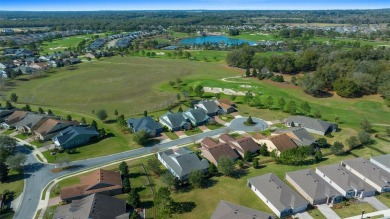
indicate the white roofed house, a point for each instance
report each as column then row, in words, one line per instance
column 382, row 161
column 369, row 173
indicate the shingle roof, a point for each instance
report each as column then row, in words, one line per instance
column 219, row 150
column 96, row 206
column 208, row 142
column 145, row 123
column 227, row 210
column 283, row 142
column 224, row 138
column 210, row 106
column 183, row 161
column 199, row 115
column 245, row 144
column 301, row 135
column 73, row 131
column 176, row 119
column 49, row 124
column 310, row 123
column 370, row 171
column 314, row 186
column 98, row 181
column 383, row 159
column 344, row 178
column 15, row 117
column 225, row 101
column 277, row 192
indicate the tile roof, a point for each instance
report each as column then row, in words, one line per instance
column 227, row 210
column 277, row 192
column 283, row 142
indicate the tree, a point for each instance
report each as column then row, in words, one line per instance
column 264, row 150
column 83, row 121
column 171, row 83
column 281, row 103
column 226, row 165
column 124, row 169
column 346, row 87
column 7, row 147
column 294, row 80
column 291, row 107
column 126, row 184
column 352, row 142
column 8, row 105
column 240, row 164
column 248, row 97
column 168, row 179
column 141, row 137
column 102, row 114
column 178, row 97
column 322, row 142
column 68, row 117
column 213, row 171
column 248, row 156
column 27, row 108
column 49, row 112
column 40, row 110
column 318, row 156
column 199, row 90
column 337, row 148
column 195, row 178
column 3, row 172
column 233, row 97
column 154, row 165
column 249, row 121
column 387, row 131
column 16, row 161
column 218, row 95
column 255, row 163
column 248, row 72
column 135, row 215
column 254, row 72
column 364, row 138
column 270, row 102
column 94, row 124
column 180, row 110
column 366, row 125
column 116, row 112
column 13, row 97
column 145, row 113
column 134, row 199
column 164, row 202
column 305, row 108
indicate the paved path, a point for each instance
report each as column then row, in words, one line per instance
column 37, row 175
column 303, row 215
column 385, row 213
column 327, row 212
column 378, row 205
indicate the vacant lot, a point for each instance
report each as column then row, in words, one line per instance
column 128, row 84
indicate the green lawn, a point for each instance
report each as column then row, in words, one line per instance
column 196, row 55
column 179, row 34
column 7, row 132
column 226, row 118
column 23, row 136
column 59, row 45
column 14, row 183
column 384, row 198
column 254, row 36
column 171, row 135
column 354, row 210
column 316, row 214
column 193, row 131
column 214, row 126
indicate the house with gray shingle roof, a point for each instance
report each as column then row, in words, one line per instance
column 345, row 182
column 369, row 172
column 197, row 117
column 74, row 136
column 31, row 122
column 382, row 161
column 299, row 135
column 277, row 195
column 182, row 162
column 174, row 121
column 146, row 124
column 313, row 188
column 227, row 210
column 209, row 106
column 312, row 125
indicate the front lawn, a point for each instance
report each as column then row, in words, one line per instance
column 214, row 126
column 354, row 209
column 171, row 135
column 23, row 136
column 14, row 183
column 7, row 132
column 193, row 131
column 384, row 198
column 226, row 118
column 316, row 214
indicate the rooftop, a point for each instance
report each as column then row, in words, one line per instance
column 227, row 210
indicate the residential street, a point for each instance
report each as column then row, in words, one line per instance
column 37, row 175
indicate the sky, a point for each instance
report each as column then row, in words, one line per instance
column 94, row 5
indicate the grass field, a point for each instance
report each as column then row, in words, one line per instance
column 59, row 45
column 196, row 55
column 385, row 199
column 254, row 36
column 14, row 183
column 354, row 210
column 316, row 214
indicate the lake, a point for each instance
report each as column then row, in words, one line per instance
column 214, row 39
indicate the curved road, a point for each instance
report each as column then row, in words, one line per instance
column 37, row 175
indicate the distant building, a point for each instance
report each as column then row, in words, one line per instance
column 315, row 126
column 147, row 124
column 174, row 121
column 74, row 136
column 197, row 117
column 209, row 106
column 382, row 161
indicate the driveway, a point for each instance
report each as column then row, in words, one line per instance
column 303, row 215
column 204, row 128
column 220, row 121
column 37, row 175
column 327, row 211
column 181, row 134
column 378, row 205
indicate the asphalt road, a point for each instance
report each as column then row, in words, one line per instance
column 37, row 175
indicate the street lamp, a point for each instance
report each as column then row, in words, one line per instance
column 363, row 213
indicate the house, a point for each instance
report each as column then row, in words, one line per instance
column 73, row 61
column 214, row 152
column 382, row 161
column 147, row 124
column 345, row 182
column 369, row 173
column 90, row 55
column 99, row 181
column 74, row 136
column 244, row 145
column 13, row 118
column 208, row 142
column 3, row 74
column 93, row 206
column 209, row 106
column 257, row 137
column 227, row 210
column 279, row 143
column 30, row 122
column 313, row 188
column 24, row 69
column 4, row 113
column 174, row 121
column 225, row 138
column 314, row 126
column 226, row 105
column 299, row 135
column 50, row 127
column 277, row 195
column 197, row 117
column 182, row 162
column 39, row 66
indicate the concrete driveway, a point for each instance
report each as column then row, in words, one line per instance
column 327, row 211
column 303, row 215
column 378, row 205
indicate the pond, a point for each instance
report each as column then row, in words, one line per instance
column 214, row 40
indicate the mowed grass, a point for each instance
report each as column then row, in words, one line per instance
column 128, row 84
column 354, row 210
column 254, row 36
column 59, row 45
column 14, row 183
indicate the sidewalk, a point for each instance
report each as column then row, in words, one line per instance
column 35, row 151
